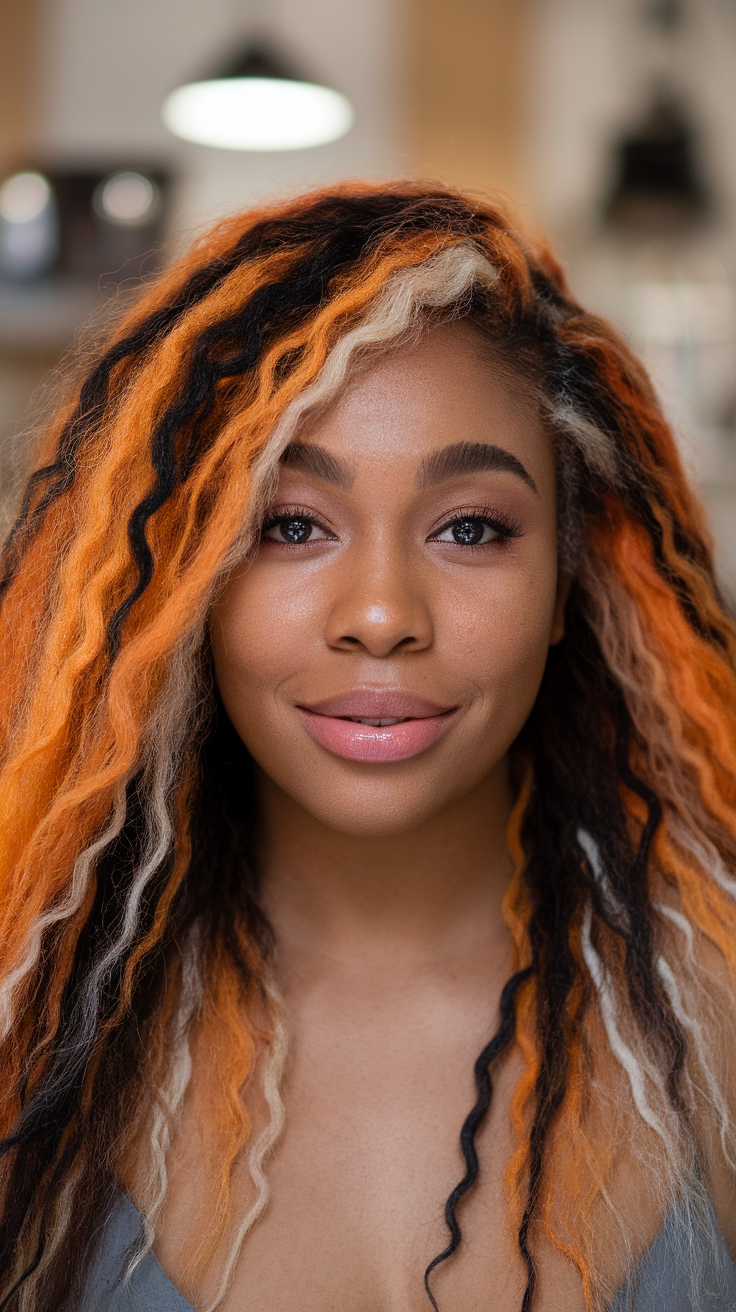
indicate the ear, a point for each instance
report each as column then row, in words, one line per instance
column 557, row 630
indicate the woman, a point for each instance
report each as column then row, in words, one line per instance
column 366, row 682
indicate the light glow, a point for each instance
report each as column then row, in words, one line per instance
column 257, row 113
column 127, row 198
column 24, row 197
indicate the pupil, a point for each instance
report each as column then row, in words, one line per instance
column 296, row 530
column 468, row 532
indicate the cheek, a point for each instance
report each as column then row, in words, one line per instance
column 260, row 630
column 498, row 633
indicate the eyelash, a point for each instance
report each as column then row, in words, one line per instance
column 294, row 512
column 502, row 524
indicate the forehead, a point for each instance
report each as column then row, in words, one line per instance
column 446, row 387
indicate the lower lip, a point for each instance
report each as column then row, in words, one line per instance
column 366, row 742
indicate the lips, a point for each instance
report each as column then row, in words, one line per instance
column 414, row 724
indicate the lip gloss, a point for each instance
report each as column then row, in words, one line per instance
column 364, row 742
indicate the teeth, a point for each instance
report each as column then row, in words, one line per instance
column 376, row 724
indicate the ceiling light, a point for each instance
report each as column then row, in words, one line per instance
column 659, row 189
column 257, row 104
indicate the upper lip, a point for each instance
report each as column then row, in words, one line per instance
column 377, row 704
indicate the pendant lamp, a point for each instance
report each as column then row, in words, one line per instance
column 257, row 102
column 659, row 188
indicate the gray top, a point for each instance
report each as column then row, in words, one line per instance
column 662, row 1281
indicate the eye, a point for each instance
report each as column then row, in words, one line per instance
column 476, row 528
column 294, row 530
column 467, row 532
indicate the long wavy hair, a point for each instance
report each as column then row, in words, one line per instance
column 134, row 958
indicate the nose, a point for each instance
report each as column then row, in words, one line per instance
column 380, row 611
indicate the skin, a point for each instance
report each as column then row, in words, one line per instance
column 384, row 881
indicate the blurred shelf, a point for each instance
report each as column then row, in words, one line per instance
column 42, row 318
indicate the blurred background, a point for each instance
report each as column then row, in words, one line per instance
column 611, row 123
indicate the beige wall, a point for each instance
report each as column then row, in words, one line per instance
column 465, row 90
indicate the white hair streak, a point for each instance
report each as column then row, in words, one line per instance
column 631, row 1064
column 161, row 777
column 694, row 1027
column 170, row 1097
column 637, row 1069
column 691, row 1218
column 63, row 910
column 57, row 1230
column 442, row 281
column 683, row 924
column 595, row 446
column 167, row 733
column 272, row 1078
column 610, row 902
column 439, row 282
column 688, row 1213
column 707, row 856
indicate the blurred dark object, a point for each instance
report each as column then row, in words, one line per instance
column 259, row 59
column 659, row 190
column 665, row 14
column 111, row 222
column 82, row 223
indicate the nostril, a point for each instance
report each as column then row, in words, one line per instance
column 347, row 638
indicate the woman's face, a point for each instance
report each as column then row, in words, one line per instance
column 384, row 648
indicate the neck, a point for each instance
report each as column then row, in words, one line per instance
column 430, row 892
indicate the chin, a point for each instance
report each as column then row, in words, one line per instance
column 370, row 823
column 376, row 810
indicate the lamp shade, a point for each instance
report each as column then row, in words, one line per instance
column 257, row 102
column 658, row 184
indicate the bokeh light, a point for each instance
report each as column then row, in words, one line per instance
column 257, row 113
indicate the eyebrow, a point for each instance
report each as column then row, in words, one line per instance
column 470, row 458
column 319, row 463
